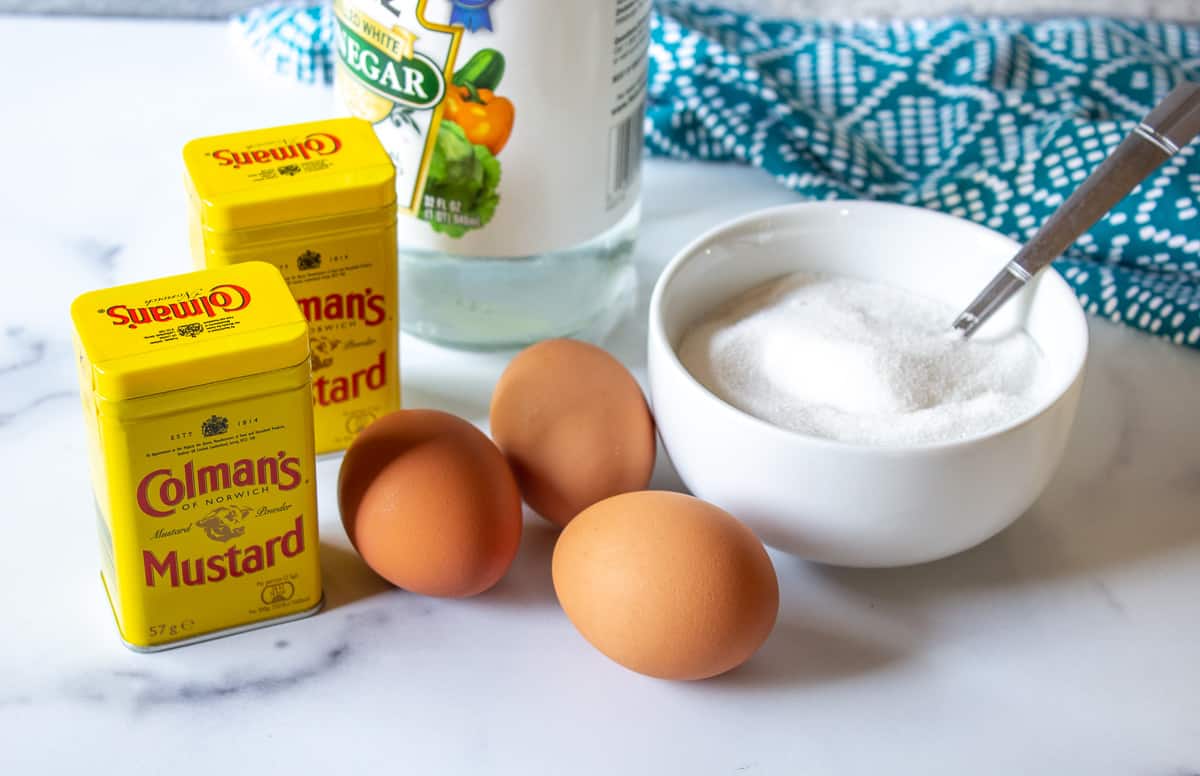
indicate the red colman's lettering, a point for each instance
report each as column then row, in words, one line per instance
column 316, row 144
column 225, row 298
column 160, row 491
column 234, row 562
column 367, row 307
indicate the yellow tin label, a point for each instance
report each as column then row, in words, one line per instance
column 201, row 444
column 335, row 245
column 288, row 174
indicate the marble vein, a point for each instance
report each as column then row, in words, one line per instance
column 8, row 417
column 157, row 693
column 34, row 352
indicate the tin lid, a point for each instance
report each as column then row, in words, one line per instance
column 176, row 332
column 290, row 173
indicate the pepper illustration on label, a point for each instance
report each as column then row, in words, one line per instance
column 485, row 117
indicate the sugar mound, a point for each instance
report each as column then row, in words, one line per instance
column 860, row 362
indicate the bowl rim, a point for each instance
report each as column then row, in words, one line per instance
column 657, row 330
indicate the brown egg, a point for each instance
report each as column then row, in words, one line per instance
column 666, row 584
column 574, row 426
column 430, row 503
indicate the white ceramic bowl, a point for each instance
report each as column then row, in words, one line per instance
column 846, row 504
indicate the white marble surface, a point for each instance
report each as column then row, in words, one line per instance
column 1068, row 644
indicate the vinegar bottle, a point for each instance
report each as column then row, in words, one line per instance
column 516, row 131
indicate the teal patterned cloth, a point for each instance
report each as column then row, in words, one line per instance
column 296, row 39
column 994, row 120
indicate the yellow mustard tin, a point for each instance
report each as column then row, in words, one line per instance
column 318, row 201
column 196, row 397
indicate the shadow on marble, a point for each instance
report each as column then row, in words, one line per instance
column 1040, row 548
column 664, row 476
column 808, row 652
column 528, row 583
column 346, row 577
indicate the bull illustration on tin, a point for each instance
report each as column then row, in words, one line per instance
column 322, row 351
column 224, row 523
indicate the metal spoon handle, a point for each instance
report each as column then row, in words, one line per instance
column 1170, row 126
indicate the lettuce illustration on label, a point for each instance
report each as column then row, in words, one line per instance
column 460, row 190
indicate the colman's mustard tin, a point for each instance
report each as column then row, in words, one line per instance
column 196, row 396
column 317, row 200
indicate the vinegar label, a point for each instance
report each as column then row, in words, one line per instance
column 516, row 127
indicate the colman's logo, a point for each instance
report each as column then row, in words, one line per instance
column 316, row 144
column 161, row 491
column 225, row 298
column 368, row 307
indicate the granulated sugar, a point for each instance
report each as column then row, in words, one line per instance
column 860, row 362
